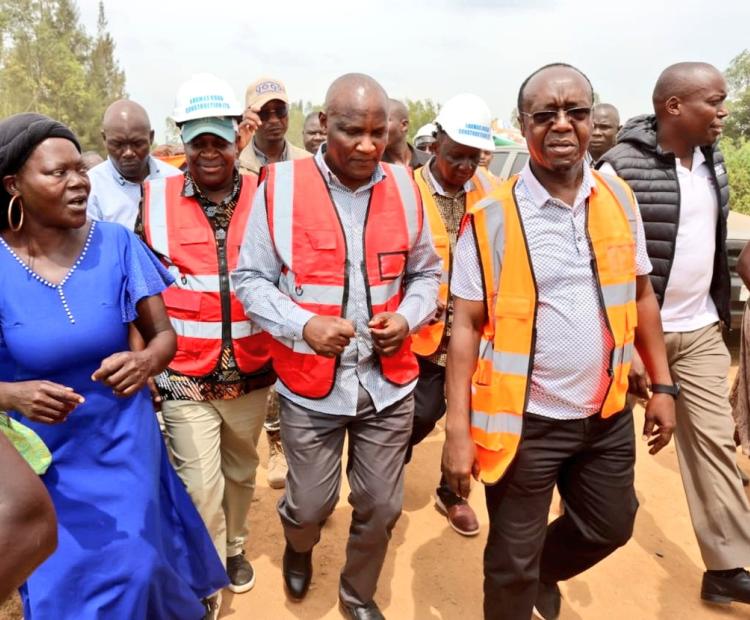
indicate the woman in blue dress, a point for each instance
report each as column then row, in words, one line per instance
column 131, row 546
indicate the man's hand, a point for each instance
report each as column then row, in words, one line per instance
column 249, row 125
column 125, row 372
column 388, row 330
column 328, row 335
column 43, row 401
column 460, row 462
column 660, row 421
column 438, row 312
column 639, row 382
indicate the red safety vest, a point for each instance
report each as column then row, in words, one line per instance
column 310, row 241
column 177, row 229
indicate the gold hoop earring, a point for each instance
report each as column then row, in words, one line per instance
column 17, row 227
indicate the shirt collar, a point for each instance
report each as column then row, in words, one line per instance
column 153, row 170
column 435, row 186
column 332, row 180
column 190, row 190
column 263, row 159
column 540, row 196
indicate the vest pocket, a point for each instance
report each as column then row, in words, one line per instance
column 391, row 265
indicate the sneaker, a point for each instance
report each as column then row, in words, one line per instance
column 461, row 516
column 548, row 600
column 277, row 467
column 213, row 606
column 241, row 574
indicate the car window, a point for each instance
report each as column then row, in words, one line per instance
column 497, row 163
column 519, row 163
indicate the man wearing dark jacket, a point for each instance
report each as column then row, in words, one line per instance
column 676, row 170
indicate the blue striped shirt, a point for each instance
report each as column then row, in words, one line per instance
column 257, row 276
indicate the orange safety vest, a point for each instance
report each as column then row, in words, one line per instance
column 177, row 229
column 427, row 340
column 309, row 240
column 501, row 380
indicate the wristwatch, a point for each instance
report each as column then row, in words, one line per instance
column 662, row 388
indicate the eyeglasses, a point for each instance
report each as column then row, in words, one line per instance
column 280, row 112
column 546, row 117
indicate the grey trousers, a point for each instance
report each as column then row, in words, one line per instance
column 704, row 438
column 313, row 443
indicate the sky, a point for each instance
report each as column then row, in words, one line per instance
column 417, row 49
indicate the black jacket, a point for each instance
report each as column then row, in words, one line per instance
column 651, row 173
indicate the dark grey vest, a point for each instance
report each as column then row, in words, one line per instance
column 653, row 179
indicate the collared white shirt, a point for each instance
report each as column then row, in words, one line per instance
column 115, row 199
column 687, row 301
column 569, row 379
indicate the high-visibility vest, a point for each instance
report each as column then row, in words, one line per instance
column 501, row 380
column 309, row 240
column 427, row 340
column 177, row 229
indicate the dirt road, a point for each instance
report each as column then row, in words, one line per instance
column 432, row 573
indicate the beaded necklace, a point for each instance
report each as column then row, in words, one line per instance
column 57, row 287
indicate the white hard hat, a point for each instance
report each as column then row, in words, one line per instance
column 467, row 120
column 204, row 96
column 425, row 131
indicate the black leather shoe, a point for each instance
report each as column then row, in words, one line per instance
column 361, row 612
column 725, row 586
column 548, row 598
column 297, row 569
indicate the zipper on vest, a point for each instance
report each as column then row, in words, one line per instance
column 226, row 307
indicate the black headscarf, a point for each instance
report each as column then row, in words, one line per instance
column 19, row 136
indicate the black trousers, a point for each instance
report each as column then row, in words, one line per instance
column 591, row 461
column 429, row 407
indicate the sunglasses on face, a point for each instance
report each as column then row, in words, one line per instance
column 546, row 117
column 280, row 112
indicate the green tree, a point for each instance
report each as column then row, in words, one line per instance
column 298, row 110
column 737, row 160
column 737, row 75
column 421, row 112
column 48, row 64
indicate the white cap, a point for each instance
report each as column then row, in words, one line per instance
column 467, row 120
column 205, row 96
column 425, row 131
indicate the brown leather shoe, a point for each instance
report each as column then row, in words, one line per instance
column 461, row 516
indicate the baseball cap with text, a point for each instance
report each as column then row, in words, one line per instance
column 264, row 90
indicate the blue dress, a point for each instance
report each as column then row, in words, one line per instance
column 131, row 544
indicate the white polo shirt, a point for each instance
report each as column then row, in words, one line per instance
column 687, row 303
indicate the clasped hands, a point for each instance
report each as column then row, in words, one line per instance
column 329, row 335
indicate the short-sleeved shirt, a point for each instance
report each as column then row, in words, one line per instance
column 569, row 379
column 115, row 199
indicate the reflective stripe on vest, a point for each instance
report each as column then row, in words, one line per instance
column 310, row 242
column 176, row 228
column 500, row 383
column 427, row 340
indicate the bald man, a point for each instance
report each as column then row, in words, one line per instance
column 673, row 164
column 605, row 120
column 398, row 150
column 312, row 133
column 116, row 182
column 342, row 276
